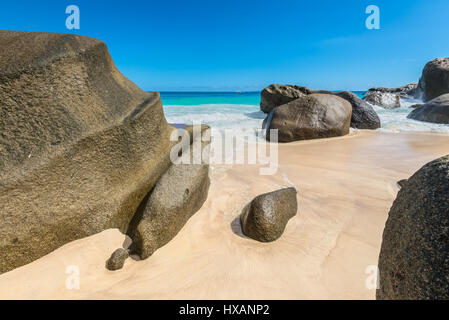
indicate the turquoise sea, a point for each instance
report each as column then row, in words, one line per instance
column 240, row 110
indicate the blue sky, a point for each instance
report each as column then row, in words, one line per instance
column 246, row 45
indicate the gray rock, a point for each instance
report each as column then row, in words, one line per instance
column 435, row 111
column 434, row 81
column 117, row 259
column 363, row 114
column 407, row 91
column 266, row 217
column 277, row 95
column 414, row 258
column 311, row 117
column 177, row 196
column 384, row 100
column 80, row 144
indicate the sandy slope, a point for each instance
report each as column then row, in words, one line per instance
column 346, row 187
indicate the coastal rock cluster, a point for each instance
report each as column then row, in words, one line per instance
column 414, row 258
column 81, row 146
column 296, row 109
column 311, row 117
column 307, row 114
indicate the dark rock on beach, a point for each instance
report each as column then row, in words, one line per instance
column 414, row 258
column 277, row 95
column 117, row 259
column 434, row 111
column 266, row 217
column 434, row 81
column 311, row 117
column 363, row 114
column 80, row 144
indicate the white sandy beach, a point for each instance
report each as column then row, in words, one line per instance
column 346, row 187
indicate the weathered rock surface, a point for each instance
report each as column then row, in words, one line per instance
column 277, row 95
column 414, row 258
column 407, row 91
column 363, row 114
column 384, row 100
column 402, row 183
column 434, row 81
column 435, row 111
column 117, row 259
column 266, row 217
column 177, row 196
column 80, row 145
column 311, row 117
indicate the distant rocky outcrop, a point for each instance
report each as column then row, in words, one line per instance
column 266, row 217
column 434, row 81
column 311, row 117
column 117, row 259
column 179, row 194
column 414, row 257
column 435, row 111
column 384, row 99
column 407, row 91
column 363, row 114
column 276, row 95
column 80, row 144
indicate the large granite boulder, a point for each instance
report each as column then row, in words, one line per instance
column 435, row 111
column 311, row 117
column 277, row 95
column 434, row 81
column 80, row 144
column 177, row 196
column 384, row 99
column 363, row 114
column 414, row 258
column 266, row 217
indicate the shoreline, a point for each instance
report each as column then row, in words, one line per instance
column 346, row 186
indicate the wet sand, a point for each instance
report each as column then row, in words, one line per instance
column 346, row 188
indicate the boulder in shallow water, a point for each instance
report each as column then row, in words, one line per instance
column 434, row 81
column 277, row 95
column 363, row 114
column 414, row 258
column 311, row 117
column 80, row 144
column 266, row 217
column 435, row 111
column 384, row 100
